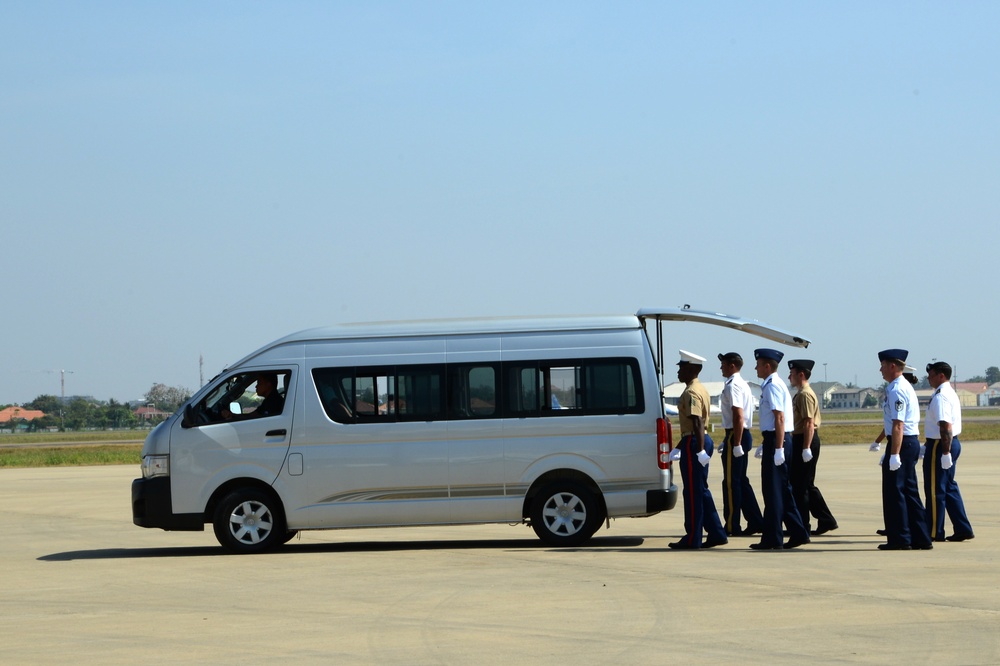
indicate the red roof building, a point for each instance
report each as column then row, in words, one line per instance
column 16, row 413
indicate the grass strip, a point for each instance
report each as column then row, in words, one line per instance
column 73, row 437
column 69, row 456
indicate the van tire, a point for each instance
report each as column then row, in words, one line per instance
column 565, row 513
column 249, row 521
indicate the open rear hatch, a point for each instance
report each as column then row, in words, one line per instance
column 752, row 326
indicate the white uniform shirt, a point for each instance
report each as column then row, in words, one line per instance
column 736, row 393
column 901, row 405
column 774, row 396
column 945, row 406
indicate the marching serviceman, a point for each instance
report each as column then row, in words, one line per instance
column 695, row 449
column 941, row 428
column 737, row 419
column 775, row 415
column 805, row 450
column 905, row 522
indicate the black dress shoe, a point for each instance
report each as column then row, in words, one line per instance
column 960, row 537
column 823, row 529
column 750, row 531
column 680, row 545
column 795, row 543
column 924, row 546
column 894, row 546
column 713, row 544
column 760, row 546
column 881, row 532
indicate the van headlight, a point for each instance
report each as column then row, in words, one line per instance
column 155, row 466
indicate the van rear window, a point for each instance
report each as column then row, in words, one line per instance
column 360, row 394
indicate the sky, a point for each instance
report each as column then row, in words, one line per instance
column 192, row 180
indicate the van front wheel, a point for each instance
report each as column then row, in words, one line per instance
column 565, row 514
column 249, row 521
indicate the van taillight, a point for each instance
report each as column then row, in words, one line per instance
column 664, row 442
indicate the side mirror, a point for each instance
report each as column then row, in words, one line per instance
column 236, row 408
column 188, row 421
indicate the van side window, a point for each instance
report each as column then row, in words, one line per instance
column 473, row 391
column 243, row 396
column 381, row 394
column 560, row 388
column 335, row 386
column 420, row 393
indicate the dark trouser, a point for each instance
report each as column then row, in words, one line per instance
column 942, row 491
column 779, row 504
column 808, row 498
column 737, row 494
column 699, row 507
column 905, row 520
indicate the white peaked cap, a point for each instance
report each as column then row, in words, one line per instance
column 688, row 357
column 910, row 369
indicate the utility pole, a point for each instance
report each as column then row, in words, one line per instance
column 201, row 370
column 62, row 397
column 62, row 383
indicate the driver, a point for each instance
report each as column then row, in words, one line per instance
column 267, row 388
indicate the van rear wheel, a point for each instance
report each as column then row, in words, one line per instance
column 249, row 521
column 565, row 513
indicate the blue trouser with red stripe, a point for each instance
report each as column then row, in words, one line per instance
column 699, row 507
column 942, row 491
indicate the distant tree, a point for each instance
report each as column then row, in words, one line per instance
column 118, row 415
column 978, row 379
column 43, row 423
column 49, row 404
column 78, row 414
column 167, row 398
column 870, row 401
column 992, row 374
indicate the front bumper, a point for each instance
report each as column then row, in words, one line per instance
column 151, row 507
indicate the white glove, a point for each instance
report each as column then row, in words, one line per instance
column 881, row 460
column 703, row 458
column 895, row 463
column 721, row 449
column 738, row 451
column 923, row 450
column 675, row 455
column 807, row 455
column 946, row 462
column 759, row 453
column 875, row 447
column 779, row 457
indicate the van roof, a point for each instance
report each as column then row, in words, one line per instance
column 463, row 326
column 536, row 324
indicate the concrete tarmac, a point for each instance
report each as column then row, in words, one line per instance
column 81, row 584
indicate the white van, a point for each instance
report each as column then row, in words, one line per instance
column 557, row 423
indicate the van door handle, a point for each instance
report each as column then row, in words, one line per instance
column 276, row 433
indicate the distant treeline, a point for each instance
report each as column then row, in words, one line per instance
column 82, row 413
